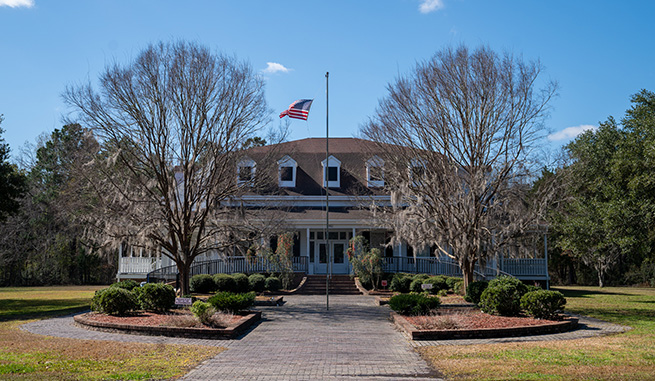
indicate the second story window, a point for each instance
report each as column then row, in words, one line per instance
column 287, row 168
column 246, row 172
column 375, row 172
column 331, row 172
column 417, row 171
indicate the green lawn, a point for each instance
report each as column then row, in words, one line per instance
column 627, row 356
column 27, row 356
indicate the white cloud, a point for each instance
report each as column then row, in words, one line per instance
column 570, row 132
column 274, row 67
column 428, row 6
column 17, row 3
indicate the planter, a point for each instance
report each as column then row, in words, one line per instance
column 403, row 324
column 229, row 332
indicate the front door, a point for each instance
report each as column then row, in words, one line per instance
column 336, row 257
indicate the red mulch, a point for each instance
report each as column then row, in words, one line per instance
column 178, row 318
column 470, row 319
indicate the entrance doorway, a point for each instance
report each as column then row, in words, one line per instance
column 336, row 256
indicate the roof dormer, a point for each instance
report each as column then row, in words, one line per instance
column 375, row 172
column 287, row 168
column 331, row 172
column 246, row 171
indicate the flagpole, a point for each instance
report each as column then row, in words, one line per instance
column 327, row 194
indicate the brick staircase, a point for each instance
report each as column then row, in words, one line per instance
column 339, row 285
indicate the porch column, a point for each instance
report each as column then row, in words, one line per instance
column 308, row 251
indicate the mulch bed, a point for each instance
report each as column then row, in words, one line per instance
column 173, row 318
column 467, row 323
column 179, row 323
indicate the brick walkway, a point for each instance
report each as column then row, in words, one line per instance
column 303, row 341
column 299, row 341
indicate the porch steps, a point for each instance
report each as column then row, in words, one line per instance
column 339, row 285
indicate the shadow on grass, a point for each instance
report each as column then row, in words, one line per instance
column 578, row 293
column 21, row 309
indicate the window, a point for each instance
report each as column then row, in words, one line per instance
column 331, row 172
column 286, row 173
column 417, row 171
column 246, row 172
column 375, row 172
column 287, row 168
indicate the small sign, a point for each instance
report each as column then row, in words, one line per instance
column 183, row 301
column 384, row 283
column 426, row 286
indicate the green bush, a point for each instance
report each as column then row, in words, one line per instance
column 413, row 304
column 505, row 280
column 241, row 283
column 257, row 282
column 438, row 283
column 202, row 311
column 503, row 296
column 401, row 282
column 128, row 284
column 202, row 284
column 474, row 291
column 113, row 301
column 273, row 283
column 458, row 287
column 231, row 302
column 224, row 282
column 543, row 304
column 157, row 297
column 453, row 281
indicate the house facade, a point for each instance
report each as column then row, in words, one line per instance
column 355, row 178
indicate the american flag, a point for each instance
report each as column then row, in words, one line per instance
column 298, row 109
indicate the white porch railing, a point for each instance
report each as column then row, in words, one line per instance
column 137, row 265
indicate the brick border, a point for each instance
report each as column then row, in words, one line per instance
column 192, row 333
column 566, row 325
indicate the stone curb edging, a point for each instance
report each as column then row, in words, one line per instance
column 485, row 333
column 193, row 333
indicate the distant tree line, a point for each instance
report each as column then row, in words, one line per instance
column 602, row 224
column 40, row 237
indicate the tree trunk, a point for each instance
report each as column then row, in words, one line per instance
column 467, row 272
column 601, row 275
column 184, row 268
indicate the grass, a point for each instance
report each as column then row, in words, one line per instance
column 627, row 356
column 28, row 356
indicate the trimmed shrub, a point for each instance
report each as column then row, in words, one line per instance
column 202, row 284
column 530, row 288
column 505, row 280
column 273, row 283
column 415, row 286
column 543, row 304
column 474, row 291
column 224, row 282
column 157, row 297
column 438, row 283
column 452, row 282
column 241, row 283
column 257, row 282
column 128, row 284
column 413, row 304
column 231, row 302
column 113, row 301
column 458, row 287
column 203, row 311
column 401, row 282
column 503, row 296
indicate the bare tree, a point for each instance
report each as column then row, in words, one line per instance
column 171, row 123
column 457, row 136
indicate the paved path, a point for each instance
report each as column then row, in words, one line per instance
column 303, row 341
column 299, row 341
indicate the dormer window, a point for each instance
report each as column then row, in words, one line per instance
column 287, row 168
column 416, row 171
column 246, row 172
column 331, row 172
column 375, row 172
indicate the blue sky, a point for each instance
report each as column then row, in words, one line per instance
column 600, row 52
